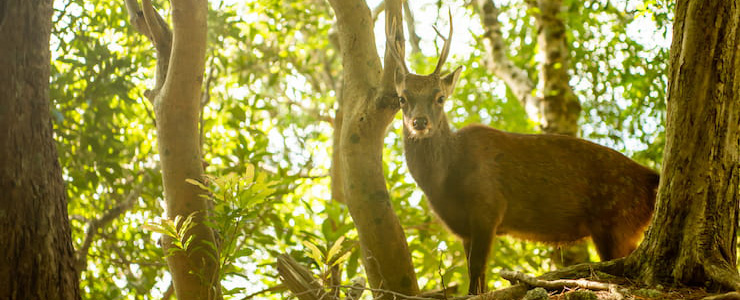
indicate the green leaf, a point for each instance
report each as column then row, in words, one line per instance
column 342, row 258
column 313, row 251
column 334, row 248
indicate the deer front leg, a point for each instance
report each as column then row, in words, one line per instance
column 477, row 247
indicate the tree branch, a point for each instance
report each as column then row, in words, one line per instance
column 499, row 63
column 150, row 24
column 94, row 225
column 377, row 10
column 357, row 45
column 414, row 39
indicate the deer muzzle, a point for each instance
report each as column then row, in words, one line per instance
column 420, row 123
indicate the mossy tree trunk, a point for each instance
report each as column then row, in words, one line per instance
column 692, row 240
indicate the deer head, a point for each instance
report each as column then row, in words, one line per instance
column 422, row 97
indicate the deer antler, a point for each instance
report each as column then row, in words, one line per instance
column 445, row 48
column 395, row 44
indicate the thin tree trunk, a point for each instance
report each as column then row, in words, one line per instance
column 692, row 240
column 36, row 256
column 369, row 103
column 560, row 107
column 176, row 96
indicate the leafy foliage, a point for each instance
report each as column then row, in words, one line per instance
column 272, row 79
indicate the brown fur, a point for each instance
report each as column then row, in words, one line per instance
column 483, row 182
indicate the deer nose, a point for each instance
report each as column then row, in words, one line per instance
column 420, row 123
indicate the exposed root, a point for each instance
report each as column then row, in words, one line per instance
column 727, row 296
column 720, row 272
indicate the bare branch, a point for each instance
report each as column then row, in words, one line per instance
column 377, row 10
column 136, row 17
column 94, row 225
column 557, row 284
column 277, row 288
column 161, row 35
column 149, row 23
column 313, row 111
column 414, row 38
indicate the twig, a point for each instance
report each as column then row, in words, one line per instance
column 439, row 270
column 301, row 174
column 313, row 111
column 377, row 10
column 279, row 287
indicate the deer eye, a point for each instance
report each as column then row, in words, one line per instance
column 402, row 100
column 441, row 99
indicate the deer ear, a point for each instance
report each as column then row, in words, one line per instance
column 449, row 80
column 399, row 80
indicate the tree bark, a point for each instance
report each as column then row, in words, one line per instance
column 369, row 103
column 36, row 259
column 692, row 239
column 176, row 96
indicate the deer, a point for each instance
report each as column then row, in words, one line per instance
column 482, row 182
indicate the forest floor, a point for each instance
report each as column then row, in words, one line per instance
column 596, row 285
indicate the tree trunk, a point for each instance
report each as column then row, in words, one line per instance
column 692, row 240
column 36, row 257
column 176, row 96
column 369, row 103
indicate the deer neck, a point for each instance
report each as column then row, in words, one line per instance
column 429, row 158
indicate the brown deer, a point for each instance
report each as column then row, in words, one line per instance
column 483, row 182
